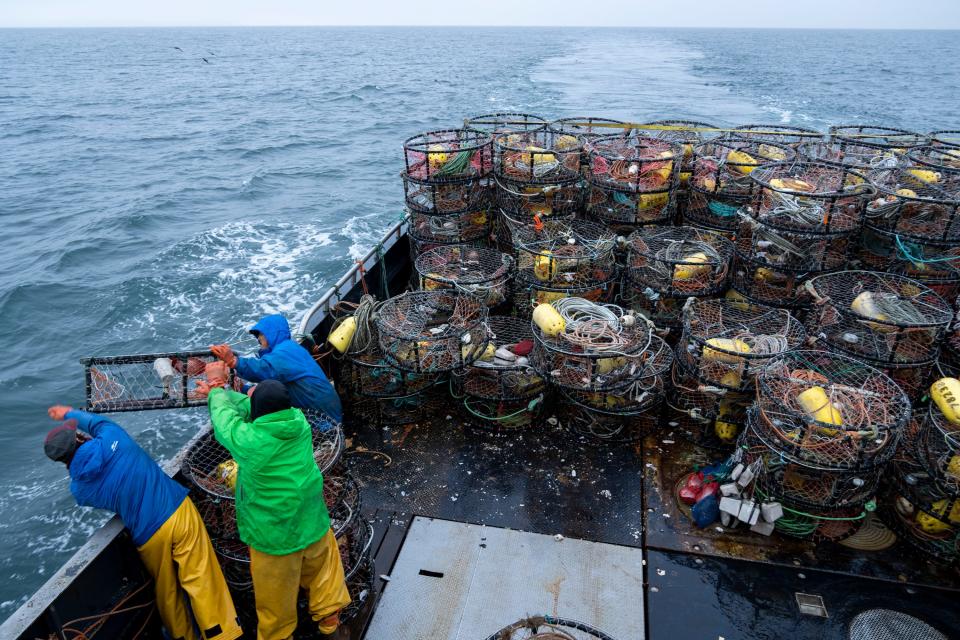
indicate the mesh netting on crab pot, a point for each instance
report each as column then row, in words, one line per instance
column 536, row 157
column 589, row 127
column 447, row 155
column 678, row 262
column 208, row 466
column 920, row 198
column 371, row 375
column 687, row 134
column 866, row 135
column 447, row 198
column 562, row 254
column 781, row 133
column 709, row 416
column 624, row 209
column 585, row 346
column 633, row 179
column 419, row 247
column 606, row 427
column 803, row 485
column 720, row 183
column 432, row 331
column 810, row 197
column 361, row 588
column 549, row 628
column 455, row 228
column 860, row 157
column 935, row 264
column 528, row 296
column 496, row 123
column 938, row 440
column 523, row 202
column 917, row 506
column 500, row 416
column 881, row 317
column 475, row 271
column 645, row 390
column 503, row 371
column 830, row 410
column 727, row 343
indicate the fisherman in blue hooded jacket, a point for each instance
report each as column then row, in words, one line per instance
column 282, row 358
column 108, row 470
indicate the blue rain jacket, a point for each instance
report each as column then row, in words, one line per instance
column 112, row 472
column 286, row 361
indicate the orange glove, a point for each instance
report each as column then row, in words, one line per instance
column 202, row 390
column 217, row 374
column 58, row 411
column 225, row 353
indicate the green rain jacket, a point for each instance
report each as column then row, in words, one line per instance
column 279, row 492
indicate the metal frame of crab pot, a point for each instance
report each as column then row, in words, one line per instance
column 717, row 193
column 447, row 198
column 780, row 133
column 427, row 156
column 495, row 123
column 879, row 137
column 605, row 428
column 562, row 255
column 708, row 416
column 575, row 127
column 481, row 272
column 938, row 449
column 539, row 157
column 528, row 295
column 945, row 138
column 559, row 628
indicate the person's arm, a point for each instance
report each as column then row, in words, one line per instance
column 229, row 412
column 92, row 423
column 260, row 369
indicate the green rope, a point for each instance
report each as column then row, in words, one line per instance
column 455, row 165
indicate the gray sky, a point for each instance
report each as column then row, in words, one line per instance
column 883, row 14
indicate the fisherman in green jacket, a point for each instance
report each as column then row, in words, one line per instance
column 281, row 514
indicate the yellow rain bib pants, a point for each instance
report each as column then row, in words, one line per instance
column 277, row 580
column 180, row 558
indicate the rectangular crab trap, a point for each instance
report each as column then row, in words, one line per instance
column 145, row 381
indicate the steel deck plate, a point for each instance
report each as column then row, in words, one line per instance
column 455, row 581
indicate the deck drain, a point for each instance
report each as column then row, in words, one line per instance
column 431, row 574
column 811, row 605
column 885, row 624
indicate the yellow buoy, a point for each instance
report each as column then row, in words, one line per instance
column 726, row 431
column 437, row 156
column 741, row 162
column 771, row 152
column 652, row 200
column 791, row 184
column 549, row 320
column 907, row 193
column 544, row 266
column 694, row 265
column 467, row 351
column 816, row 403
column 866, row 305
column 341, row 337
column 722, row 348
column 924, row 176
column 606, row 365
column 945, row 392
column 227, row 473
column 953, row 467
column 540, row 156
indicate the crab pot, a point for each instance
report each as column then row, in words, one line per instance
column 475, row 271
column 560, row 254
column 686, row 134
column 549, row 628
column 447, row 198
column 884, row 318
column 810, row 197
column 934, row 264
column 541, row 157
column 944, row 138
column 779, row 133
column 455, row 228
column 720, row 183
column 207, row 464
column 370, row 375
column 511, row 228
column 603, row 426
column 625, row 209
column 432, row 331
column 523, row 201
column 503, row 372
column 633, row 179
column 919, row 199
column 500, row 416
column 918, row 507
column 801, row 485
column 914, row 379
column 497, row 123
column 447, row 155
column 418, row 247
column 361, row 589
column 709, row 416
column 586, row 130
column 862, row 157
column 389, row 412
column 887, row 138
column 728, row 343
column 527, row 296
column 938, row 447
column 830, row 411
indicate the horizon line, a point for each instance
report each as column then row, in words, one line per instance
column 466, row 26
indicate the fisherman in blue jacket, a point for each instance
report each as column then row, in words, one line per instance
column 282, row 358
column 109, row 470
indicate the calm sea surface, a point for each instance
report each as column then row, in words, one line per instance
column 152, row 200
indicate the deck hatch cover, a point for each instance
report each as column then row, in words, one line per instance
column 493, row 577
column 886, row 624
column 811, row 605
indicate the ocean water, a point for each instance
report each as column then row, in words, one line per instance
column 155, row 200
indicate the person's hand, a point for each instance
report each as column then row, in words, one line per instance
column 225, row 353
column 58, row 411
column 217, row 373
column 202, row 390
column 251, row 390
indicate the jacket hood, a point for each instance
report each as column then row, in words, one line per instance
column 274, row 328
column 89, row 460
column 287, row 424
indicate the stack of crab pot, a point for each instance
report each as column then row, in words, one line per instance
column 447, row 188
column 562, row 258
column 804, row 219
column 537, row 177
column 891, row 322
column 633, row 181
column 818, row 439
column 720, row 184
column 922, row 491
column 687, row 134
column 912, row 226
column 606, row 362
column 500, row 391
column 724, row 345
column 668, row 265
